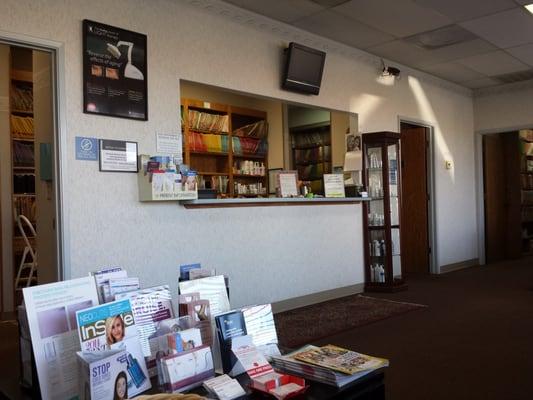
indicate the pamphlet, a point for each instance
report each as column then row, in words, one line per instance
column 122, row 285
column 149, row 306
column 103, row 375
column 212, row 288
column 224, row 387
column 102, row 277
column 339, row 359
column 51, row 311
column 230, row 326
column 188, row 369
column 185, row 269
column 260, row 325
column 112, row 326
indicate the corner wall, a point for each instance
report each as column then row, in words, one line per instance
column 271, row 253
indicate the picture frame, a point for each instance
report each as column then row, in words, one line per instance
column 118, row 156
column 287, row 181
column 115, row 72
column 273, row 179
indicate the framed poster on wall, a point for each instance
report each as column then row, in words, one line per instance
column 114, row 72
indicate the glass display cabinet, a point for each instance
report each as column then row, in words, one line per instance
column 381, row 175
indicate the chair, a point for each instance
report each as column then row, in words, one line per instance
column 25, row 263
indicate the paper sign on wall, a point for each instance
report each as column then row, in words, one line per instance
column 86, row 148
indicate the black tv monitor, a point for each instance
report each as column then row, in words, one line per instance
column 303, row 69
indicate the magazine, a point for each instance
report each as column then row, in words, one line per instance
column 339, row 359
column 149, row 306
column 51, row 311
column 112, row 326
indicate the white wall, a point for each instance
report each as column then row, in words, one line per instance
column 504, row 108
column 270, row 253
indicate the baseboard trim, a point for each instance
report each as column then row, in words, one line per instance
column 313, row 298
column 460, row 265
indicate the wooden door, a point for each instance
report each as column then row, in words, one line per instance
column 501, row 177
column 414, row 213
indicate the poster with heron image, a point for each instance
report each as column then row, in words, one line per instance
column 114, row 72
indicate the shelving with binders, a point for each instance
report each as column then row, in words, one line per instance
column 227, row 146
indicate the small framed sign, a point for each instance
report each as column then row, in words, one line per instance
column 118, row 156
column 334, row 185
column 288, row 183
column 114, row 72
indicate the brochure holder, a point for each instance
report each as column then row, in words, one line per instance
column 162, row 185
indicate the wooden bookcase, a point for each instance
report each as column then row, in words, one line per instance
column 311, row 153
column 220, row 140
column 22, row 152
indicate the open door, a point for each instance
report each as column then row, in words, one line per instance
column 414, row 214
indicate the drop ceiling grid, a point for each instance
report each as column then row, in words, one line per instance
column 504, row 29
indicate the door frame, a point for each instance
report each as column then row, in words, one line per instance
column 57, row 52
column 434, row 267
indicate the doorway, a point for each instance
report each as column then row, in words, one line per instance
column 415, row 239
column 28, row 178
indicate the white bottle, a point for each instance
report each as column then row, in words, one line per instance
column 381, row 272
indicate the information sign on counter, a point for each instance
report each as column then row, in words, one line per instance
column 287, row 182
column 169, row 143
column 118, row 156
column 334, row 185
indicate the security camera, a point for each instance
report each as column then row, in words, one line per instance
column 389, row 71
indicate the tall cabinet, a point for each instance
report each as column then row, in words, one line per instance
column 381, row 174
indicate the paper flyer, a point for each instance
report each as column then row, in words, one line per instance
column 51, row 311
column 112, row 326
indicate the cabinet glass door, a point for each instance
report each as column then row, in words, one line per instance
column 376, row 214
column 392, row 155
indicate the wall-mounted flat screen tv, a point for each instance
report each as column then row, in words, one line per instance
column 303, row 69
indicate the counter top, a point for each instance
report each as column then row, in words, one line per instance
column 270, row 201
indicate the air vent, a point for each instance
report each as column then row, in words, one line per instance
column 515, row 76
column 442, row 37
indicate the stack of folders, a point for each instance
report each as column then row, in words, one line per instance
column 329, row 375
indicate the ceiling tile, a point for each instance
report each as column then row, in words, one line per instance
column 343, row 29
column 523, row 53
column 409, row 54
column 481, row 83
column 402, row 52
column 494, row 63
column 454, row 72
column 281, row 10
column 505, row 29
column 461, row 10
column 329, row 3
column 460, row 50
column 524, row 2
column 399, row 17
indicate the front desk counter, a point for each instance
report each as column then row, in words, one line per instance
column 270, row 201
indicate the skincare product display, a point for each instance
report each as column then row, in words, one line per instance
column 249, row 188
column 247, row 167
column 163, row 178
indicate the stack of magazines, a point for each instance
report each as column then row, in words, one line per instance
column 329, row 364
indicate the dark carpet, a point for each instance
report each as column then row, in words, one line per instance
column 307, row 324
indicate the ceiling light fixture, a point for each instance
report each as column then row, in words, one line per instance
column 529, row 7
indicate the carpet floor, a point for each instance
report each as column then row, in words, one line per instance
column 307, row 324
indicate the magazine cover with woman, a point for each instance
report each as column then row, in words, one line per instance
column 112, row 326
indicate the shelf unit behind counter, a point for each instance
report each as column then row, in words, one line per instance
column 227, row 146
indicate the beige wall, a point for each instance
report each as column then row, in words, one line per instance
column 270, row 253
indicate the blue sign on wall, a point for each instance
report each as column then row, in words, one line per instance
column 86, row 148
